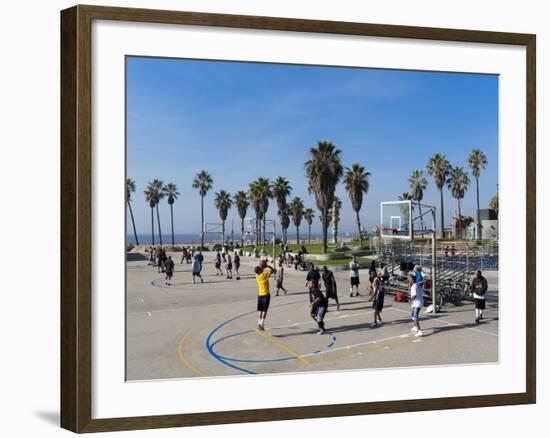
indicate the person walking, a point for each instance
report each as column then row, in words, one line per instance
column 262, row 279
column 417, row 301
column 196, row 268
column 279, row 277
column 331, row 289
column 378, row 299
column 237, row 263
column 169, row 270
column 183, row 255
column 228, row 267
column 318, row 307
column 479, row 288
column 354, row 277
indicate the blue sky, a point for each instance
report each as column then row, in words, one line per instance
column 240, row 121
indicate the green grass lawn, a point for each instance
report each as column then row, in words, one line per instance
column 344, row 261
column 312, row 248
column 317, row 248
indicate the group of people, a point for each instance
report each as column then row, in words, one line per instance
column 318, row 302
column 228, row 263
column 163, row 262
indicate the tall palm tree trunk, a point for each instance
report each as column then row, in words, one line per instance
column 309, row 233
column 158, row 222
column 264, row 228
column 223, row 233
column 460, row 219
column 297, row 235
column 441, row 213
column 325, row 231
column 202, row 223
column 172, row 222
column 478, row 216
column 133, row 222
column 152, row 228
column 421, row 218
column 242, row 232
column 358, row 220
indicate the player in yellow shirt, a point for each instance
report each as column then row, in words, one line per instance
column 262, row 278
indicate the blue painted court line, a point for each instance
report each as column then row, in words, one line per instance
column 216, row 356
column 232, row 359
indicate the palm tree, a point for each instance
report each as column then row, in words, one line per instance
column 493, row 203
column 458, row 183
column 477, row 161
column 255, row 196
column 335, row 213
column 155, row 190
column 281, row 189
column 223, row 203
column 356, row 183
column 242, row 204
column 417, row 185
column 438, row 167
column 260, row 191
column 203, row 182
column 309, row 214
column 296, row 210
column 171, row 191
column 150, row 198
column 131, row 188
column 285, row 222
column 324, row 170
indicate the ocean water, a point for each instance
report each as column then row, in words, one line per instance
column 190, row 238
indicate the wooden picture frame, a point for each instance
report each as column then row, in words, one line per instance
column 76, row 217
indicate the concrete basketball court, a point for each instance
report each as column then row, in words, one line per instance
column 198, row 330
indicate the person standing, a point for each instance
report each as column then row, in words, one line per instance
column 331, row 289
column 479, row 288
column 354, row 277
column 378, row 299
column 196, row 268
column 279, row 277
column 262, row 279
column 218, row 263
column 237, row 263
column 417, row 301
column 169, row 270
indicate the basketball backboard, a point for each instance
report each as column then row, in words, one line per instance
column 396, row 219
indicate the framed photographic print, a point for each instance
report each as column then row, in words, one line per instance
column 269, row 218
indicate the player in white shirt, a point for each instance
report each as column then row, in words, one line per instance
column 417, row 301
column 354, row 277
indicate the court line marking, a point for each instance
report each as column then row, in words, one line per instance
column 311, row 321
column 281, row 345
column 433, row 318
column 184, row 360
column 209, row 346
column 361, row 344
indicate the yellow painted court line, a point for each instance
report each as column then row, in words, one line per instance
column 184, row 360
column 281, row 345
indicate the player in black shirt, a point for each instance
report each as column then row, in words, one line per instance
column 169, row 269
column 318, row 302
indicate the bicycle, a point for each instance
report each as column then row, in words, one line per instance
column 450, row 292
